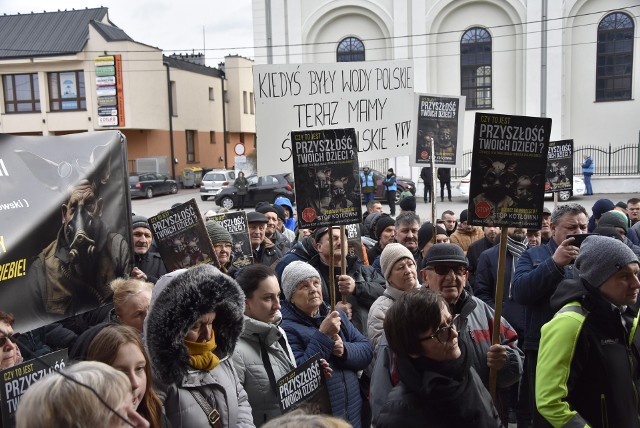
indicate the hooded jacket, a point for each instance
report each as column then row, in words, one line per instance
column 464, row 238
column 178, row 300
column 306, row 340
column 285, row 203
column 588, row 361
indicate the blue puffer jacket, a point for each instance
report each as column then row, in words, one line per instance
column 306, row 340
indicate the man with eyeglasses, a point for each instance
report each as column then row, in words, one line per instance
column 445, row 270
column 222, row 244
column 10, row 352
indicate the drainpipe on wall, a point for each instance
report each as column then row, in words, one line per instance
column 543, row 60
column 170, row 99
column 224, row 119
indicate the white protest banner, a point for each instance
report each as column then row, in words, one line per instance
column 374, row 97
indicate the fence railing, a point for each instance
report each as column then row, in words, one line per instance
column 608, row 161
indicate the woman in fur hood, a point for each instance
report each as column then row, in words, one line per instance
column 194, row 321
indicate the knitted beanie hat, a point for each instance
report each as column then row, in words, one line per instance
column 464, row 215
column 425, row 233
column 139, row 221
column 217, row 233
column 615, row 219
column 279, row 212
column 293, row 274
column 382, row 224
column 408, row 203
column 266, row 209
column 601, row 257
column 390, row 255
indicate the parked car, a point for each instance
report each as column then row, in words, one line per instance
column 564, row 195
column 403, row 184
column 265, row 188
column 214, row 181
column 149, row 184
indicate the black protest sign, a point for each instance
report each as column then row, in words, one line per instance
column 325, row 166
column 559, row 166
column 236, row 224
column 439, row 121
column 354, row 242
column 508, row 170
column 17, row 379
column 304, row 387
column 65, row 224
column 182, row 237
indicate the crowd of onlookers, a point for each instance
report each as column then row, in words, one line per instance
column 408, row 343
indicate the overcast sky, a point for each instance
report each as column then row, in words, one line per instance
column 168, row 24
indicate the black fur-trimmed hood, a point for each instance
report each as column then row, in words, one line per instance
column 178, row 300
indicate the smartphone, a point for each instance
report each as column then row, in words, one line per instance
column 579, row 238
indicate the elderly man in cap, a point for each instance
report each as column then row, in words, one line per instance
column 148, row 265
column 589, row 352
column 545, row 230
column 272, row 213
column 264, row 251
column 445, row 271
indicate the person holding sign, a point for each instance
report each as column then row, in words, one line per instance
column 439, row 386
column 313, row 328
column 263, row 354
column 193, row 325
column 445, row 270
column 361, row 286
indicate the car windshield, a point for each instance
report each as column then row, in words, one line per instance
column 214, row 177
column 133, row 179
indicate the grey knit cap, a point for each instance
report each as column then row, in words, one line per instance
column 293, row 274
column 217, row 233
column 601, row 257
column 139, row 221
column 615, row 219
column 390, row 255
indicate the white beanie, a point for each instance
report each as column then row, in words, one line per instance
column 294, row 274
column 390, row 255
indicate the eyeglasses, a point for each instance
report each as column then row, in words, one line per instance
column 444, row 269
column 12, row 337
column 443, row 334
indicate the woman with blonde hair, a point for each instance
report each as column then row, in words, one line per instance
column 131, row 299
column 87, row 394
column 120, row 347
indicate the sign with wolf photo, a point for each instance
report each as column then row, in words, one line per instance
column 325, row 166
column 237, row 226
column 439, row 119
column 304, row 388
column 559, row 166
column 15, row 381
column 508, row 170
column 182, row 237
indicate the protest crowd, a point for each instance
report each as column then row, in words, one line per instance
column 408, row 343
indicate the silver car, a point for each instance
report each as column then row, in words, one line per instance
column 214, row 181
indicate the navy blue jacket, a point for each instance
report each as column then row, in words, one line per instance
column 485, row 287
column 306, row 340
column 535, row 280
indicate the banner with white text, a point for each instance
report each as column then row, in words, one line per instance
column 560, row 166
column 374, row 97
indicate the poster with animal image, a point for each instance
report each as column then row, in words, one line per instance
column 65, row 224
column 439, row 122
column 559, row 166
column 182, row 237
column 325, row 166
column 304, row 388
column 236, row 224
column 508, row 170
